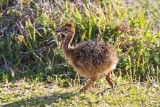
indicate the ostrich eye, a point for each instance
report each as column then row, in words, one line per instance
column 65, row 29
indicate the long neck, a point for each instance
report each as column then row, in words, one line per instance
column 67, row 45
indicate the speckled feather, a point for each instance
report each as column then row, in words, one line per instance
column 93, row 57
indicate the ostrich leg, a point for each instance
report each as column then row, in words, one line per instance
column 109, row 79
column 88, row 85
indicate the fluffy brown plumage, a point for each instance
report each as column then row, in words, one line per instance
column 89, row 59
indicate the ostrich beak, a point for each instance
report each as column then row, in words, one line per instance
column 58, row 31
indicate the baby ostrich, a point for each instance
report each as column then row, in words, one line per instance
column 89, row 59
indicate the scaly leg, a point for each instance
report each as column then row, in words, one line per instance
column 109, row 79
column 88, row 85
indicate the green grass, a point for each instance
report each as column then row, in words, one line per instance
column 33, row 93
column 33, row 71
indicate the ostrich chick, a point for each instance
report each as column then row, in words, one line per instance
column 89, row 59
